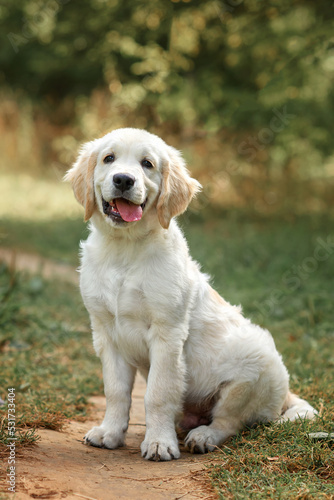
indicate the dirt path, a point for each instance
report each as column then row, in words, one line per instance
column 21, row 261
column 61, row 466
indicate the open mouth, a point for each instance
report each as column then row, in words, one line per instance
column 124, row 210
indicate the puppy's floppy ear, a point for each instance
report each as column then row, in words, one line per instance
column 81, row 176
column 177, row 188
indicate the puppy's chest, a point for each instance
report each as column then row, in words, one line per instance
column 121, row 300
column 132, row 305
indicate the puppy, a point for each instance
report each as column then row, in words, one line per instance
column 207, row 367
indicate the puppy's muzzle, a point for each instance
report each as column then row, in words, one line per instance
column 123, row 182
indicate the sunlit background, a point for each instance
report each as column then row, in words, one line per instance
column 244, row 88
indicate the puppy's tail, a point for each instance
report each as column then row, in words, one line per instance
column 295, row 407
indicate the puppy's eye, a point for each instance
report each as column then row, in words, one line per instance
column 146, row 164
column 109, row 158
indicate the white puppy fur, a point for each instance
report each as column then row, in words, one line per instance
column 152, row 309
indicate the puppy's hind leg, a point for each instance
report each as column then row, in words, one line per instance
column 296, row 408
column 227, row 418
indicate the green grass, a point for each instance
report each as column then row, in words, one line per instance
column 278, row 462
column 264, row 264
column 47, row 354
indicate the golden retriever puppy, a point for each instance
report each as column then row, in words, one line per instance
column 207, row 367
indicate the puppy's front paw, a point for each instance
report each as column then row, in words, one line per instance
column 102, row 438
column 160, row 449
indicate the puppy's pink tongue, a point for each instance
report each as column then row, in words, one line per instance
column 129, row 211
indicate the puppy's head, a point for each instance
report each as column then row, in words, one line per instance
column 128, row 174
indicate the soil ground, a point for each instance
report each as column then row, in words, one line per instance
column 62, row 466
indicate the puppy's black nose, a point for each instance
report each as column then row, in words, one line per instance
column 123, row 182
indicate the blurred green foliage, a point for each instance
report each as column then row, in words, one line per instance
column 258, row 73
column 222, row 63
